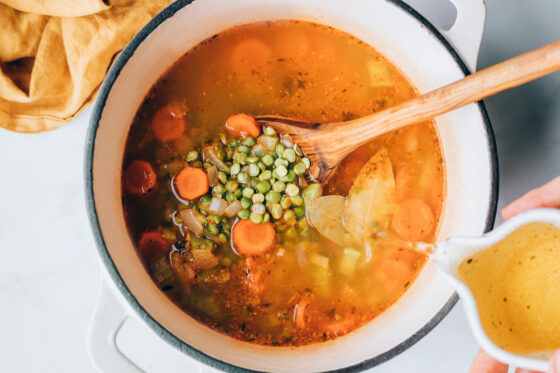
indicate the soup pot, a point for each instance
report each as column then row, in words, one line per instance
column 428, row 57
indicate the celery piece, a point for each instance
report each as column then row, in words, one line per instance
column 321, row 279
column 162, row 272
column 348, row 261
column 320, row 260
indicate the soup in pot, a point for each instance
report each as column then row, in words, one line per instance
column 227, row 216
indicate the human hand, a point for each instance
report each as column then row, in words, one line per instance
column 547, row 195
column 484, row 363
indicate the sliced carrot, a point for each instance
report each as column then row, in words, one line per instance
column 152, row 245
column 403, row 254
column 168, row 123
column 393, row 274
column 139, row 177
column 243, row 125
column 250, row 55
column 413, row 220
column 295, row 45
column 253, row 239
column 191, row 183
column 404, row 181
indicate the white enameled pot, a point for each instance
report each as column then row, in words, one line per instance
column 428, row 57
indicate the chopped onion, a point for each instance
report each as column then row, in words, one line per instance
column 188, row 271
column 204, row 259
column 217, row 206
column 302, row 182
column 212, row 172
column 191, row 219
column 233, row 209
column 286, row 140
column 182, row 269
column 258, row 151
column 211, row 156
column 268, row 142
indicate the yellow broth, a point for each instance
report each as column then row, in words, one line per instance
column 516, row 284
column 311, row 72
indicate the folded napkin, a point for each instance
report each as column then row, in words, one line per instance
column 55, row 53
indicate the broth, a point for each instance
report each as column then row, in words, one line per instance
column 301, row 291
column 516, row 283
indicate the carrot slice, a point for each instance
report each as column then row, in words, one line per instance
column 152, row 244
column 413, row 220
column 191, row 183
column 393, row 274
column 139, row 177
column 253, row 239
column 250, row 55
column 243, row 125
column 168, row 123
column 404, row 181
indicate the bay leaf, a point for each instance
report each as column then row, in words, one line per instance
column 325, row 214
column 371, row 200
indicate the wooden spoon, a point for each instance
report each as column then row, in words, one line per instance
column 326, row 144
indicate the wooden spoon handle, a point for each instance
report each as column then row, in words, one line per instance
column 508, row 74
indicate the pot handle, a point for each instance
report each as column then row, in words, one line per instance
column 466, row 33
column 108, row 318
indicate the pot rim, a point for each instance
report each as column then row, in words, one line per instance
column 170, row 338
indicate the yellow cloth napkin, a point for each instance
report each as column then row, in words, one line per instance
column 55, row 53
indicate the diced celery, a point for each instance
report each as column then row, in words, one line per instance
column 348, row 261
column 321, row 278
column 320, row 260
column 162, row 272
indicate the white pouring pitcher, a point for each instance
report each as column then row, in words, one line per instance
column 451, row 253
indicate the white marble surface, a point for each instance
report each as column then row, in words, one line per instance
column 49, row 274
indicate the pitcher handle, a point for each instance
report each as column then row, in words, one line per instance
column 108, row 318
